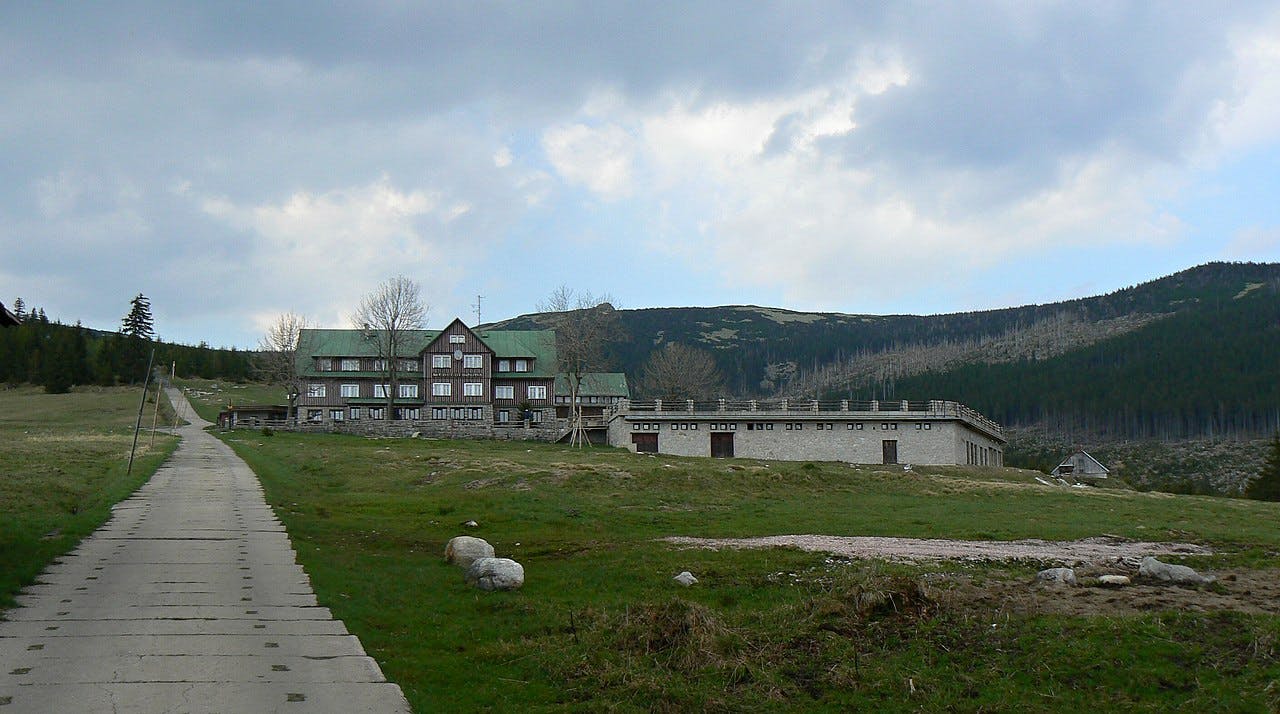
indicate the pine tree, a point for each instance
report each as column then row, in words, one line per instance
column 138, row 323
column 20, row 308
column 1266, row 485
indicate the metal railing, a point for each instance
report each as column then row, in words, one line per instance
column 796, row 407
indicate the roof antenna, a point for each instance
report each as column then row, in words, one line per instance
column 477, row 307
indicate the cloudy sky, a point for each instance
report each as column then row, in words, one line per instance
column 234, row 161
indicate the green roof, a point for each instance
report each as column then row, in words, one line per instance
column 596, row 384
column 538, row 345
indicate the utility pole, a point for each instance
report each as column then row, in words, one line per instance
column 146, row 383
column 477, row 307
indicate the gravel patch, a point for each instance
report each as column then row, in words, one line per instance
column 1101, row 549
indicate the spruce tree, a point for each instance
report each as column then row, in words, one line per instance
column 1266, row 485
column 20, row 308
column 138, row 323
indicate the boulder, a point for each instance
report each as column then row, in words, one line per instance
column 1057, row 576
column 1153, row 569
column 495, row 574
column 1113, row 581
column 464, row 550
column 685, row 578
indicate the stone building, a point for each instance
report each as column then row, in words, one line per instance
column 927, row 433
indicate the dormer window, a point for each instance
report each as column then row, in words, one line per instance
column 504, row 365
column 350, row 365
column 522, row 365
column 324, row 364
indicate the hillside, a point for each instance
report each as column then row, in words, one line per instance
column 1188, row 355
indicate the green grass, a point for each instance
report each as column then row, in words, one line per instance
column 599, row 624
column 63, row 459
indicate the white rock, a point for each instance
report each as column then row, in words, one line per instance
column 685, row 578
column 1168, row 573
column 1113, row 581
column 465, row 550
column 1057, row 576
column 470, row 524
column 495, row 574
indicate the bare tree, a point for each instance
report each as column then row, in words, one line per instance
column 585, row 324
column 277, row 360
column 385, row 317
column 679, row 372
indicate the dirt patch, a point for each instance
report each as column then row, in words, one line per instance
column 1101, row 550
column 1250, row 591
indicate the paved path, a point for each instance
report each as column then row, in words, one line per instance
column 188, row 600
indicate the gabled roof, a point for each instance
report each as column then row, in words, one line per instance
column 7, row 317
column 538, row 345
column 1082, row 464
column 596, row 384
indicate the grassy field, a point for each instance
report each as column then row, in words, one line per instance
column 600, row 625
column 62, row 465
column 210, row 396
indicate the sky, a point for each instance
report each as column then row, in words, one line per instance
column 234, row 161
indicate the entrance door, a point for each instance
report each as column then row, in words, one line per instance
column 722, row 446
column 891, row 451
column 645, row 443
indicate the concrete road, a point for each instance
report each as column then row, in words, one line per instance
column 189, row 599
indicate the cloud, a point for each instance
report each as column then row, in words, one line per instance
column 598, row 158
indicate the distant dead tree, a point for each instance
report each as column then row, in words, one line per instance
column 677, row 372
column 585, row 324
column 385, row 317
column 277, row 360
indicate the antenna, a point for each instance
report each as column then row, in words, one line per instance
column 477, row 307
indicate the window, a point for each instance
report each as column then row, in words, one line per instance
column 884, row 427
column 439, row 413
column 894, row 426
column 324, row 364
column 315, row 414
column 522, row 365
column 919, row 426
column 355, row 412
column 504, row 365
column 684, row 427
column 475, row 413
column 315, row 390
column 537, row 391
column 790, row 426
column 694, row 426
column 441, row 389
column 409, row 365
column 336, row 414
column 769, row 427
column 377, row 413
column 535, row 416
column 504, row 391
column 473, row 361
column 472, row 389
column 409, row 391
column 349, row 365
column 928, row 426
column 380, row 391
column 504, row 416
column 858, row 426
column 674, row 427
column 457, row 339
column 440, row 361
column 409, row 414
column 379, row 365
column 350, row 390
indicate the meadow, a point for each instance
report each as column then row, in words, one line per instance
column 601, row 626
column 63, row 463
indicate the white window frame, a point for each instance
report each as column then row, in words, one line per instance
column 504, row 365
column 537, row 391
column 504, row 391
column 355, row 413
column 504, row 416
column 336, row 414
column 535, row 416
column 472, row 389
column 457, row 339
column 473, row 361
column 380, row 391
column 349, row 364
column 522, row 365
column 315, row 391
column 315, row 414
column 442, row 389
column 324, row 364
column 408, row 391
column 377, row 412
column 349, row 391
column 408, row 365
column 440, row 361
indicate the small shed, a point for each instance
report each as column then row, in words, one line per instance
column 1081, row 465
column 252, row 415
